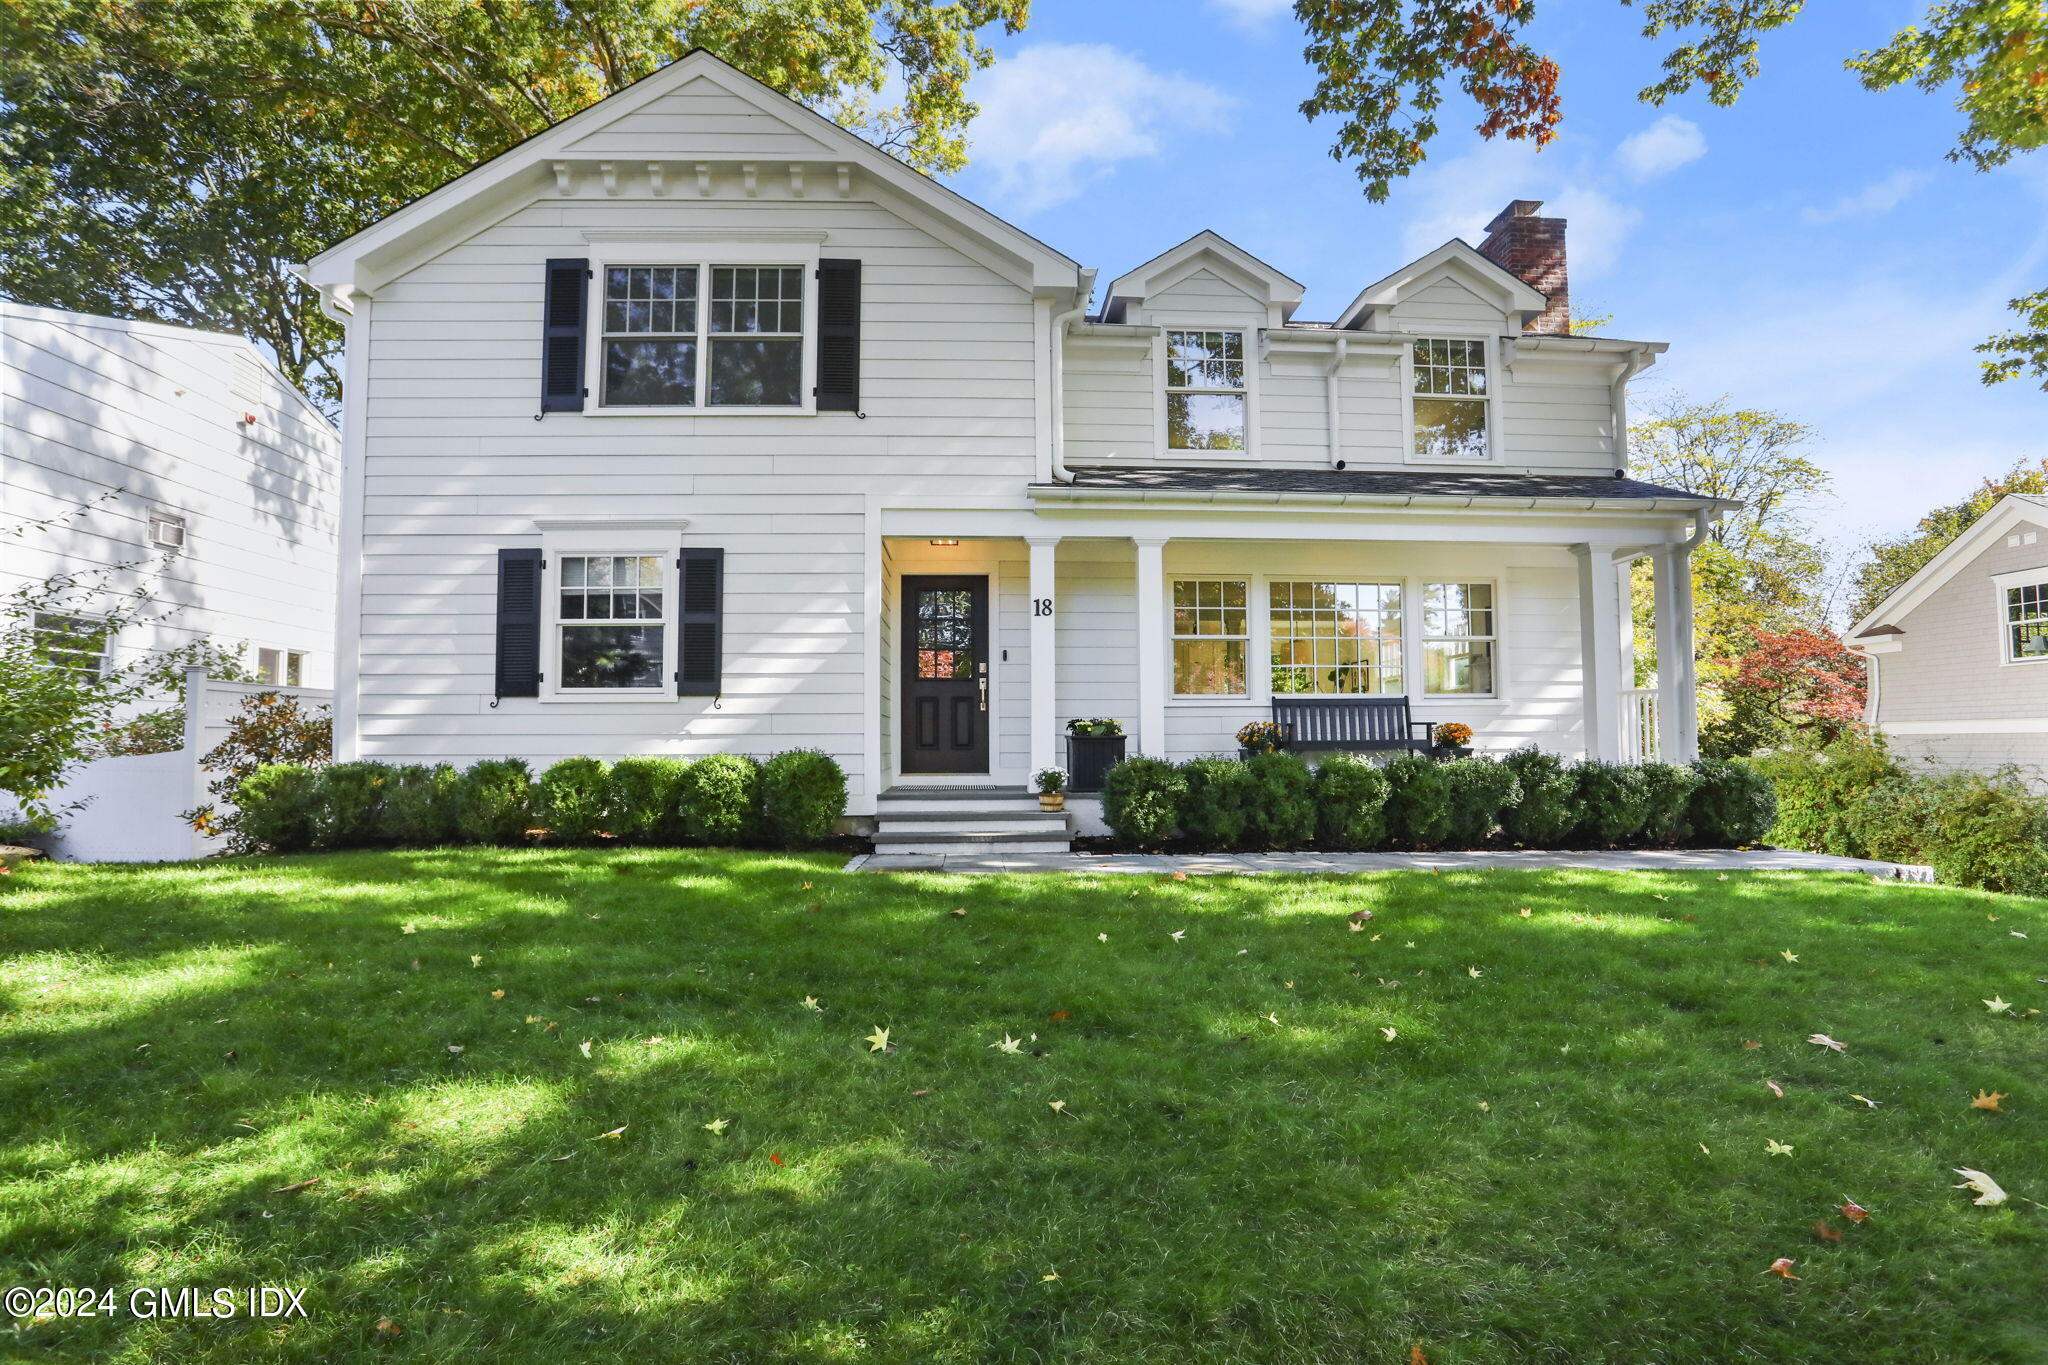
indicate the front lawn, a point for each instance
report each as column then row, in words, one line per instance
column 563, row 1106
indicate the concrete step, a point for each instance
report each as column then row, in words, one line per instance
column 936, row 850
column 889, row 814
column 966, row 833
column 976, row 829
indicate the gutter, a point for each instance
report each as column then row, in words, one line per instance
column 1242, row 497
column 1084, row 288
column 1639, row 359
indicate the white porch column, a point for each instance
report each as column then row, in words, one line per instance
column 1678, row 722
column 1044, row 641
column 1151, row 645
column 1600, row 650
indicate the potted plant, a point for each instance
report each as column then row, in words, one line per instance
column 1261, row 737
column 1094, row 746
column 1453, row 740
column 1052, row 788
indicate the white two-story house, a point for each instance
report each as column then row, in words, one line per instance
column 696, row 423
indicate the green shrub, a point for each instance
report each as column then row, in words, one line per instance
column 348, row 797
column 1733, row 805
column 419, row 806
column 1418, row 802
column 1613, row 803
column 1141, row 799
column 1548, row 808
column 1480, row 789
column 1281, row 809
column 1987, row 831
column 1667, row 789
column 493, row 802
column 1213, row 811
column 573, row 800
column 1823, row 794
column 1351, row 803
column 278, row 807
column 719, row 800
column 643, row 801
column 803, row 792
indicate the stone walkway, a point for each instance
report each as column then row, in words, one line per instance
column 1628, row 860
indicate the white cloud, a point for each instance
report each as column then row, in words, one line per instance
column 1058, row 116
column 1871, row 201
column 1253, row 14
column 1660, row 149
column 1458, row 197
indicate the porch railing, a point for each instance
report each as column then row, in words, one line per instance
column 1638, row 724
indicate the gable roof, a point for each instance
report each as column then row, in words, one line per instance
column 1205, row 248
column 1510, row 292
column 390, row 246
column 1957, row 555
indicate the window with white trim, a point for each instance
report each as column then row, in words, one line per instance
column 284, row 666
column 611, row 622
column 1211, row 637
column 1335, row 639
column 2026, row 622
column 70, row 641
column 702, row 335
column 1448, row 398
column 1205, row 393
column 1457, row 639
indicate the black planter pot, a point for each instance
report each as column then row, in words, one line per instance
column 1089, row 759
column 1445, row 752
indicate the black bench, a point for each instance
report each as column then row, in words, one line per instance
column 1360, row 724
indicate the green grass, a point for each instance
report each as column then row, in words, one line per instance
column 1518, row 1176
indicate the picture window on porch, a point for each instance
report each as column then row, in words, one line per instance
column 945, row 633
column 1205, row 393
column 2026, row 615
column 1450, row 398
column 1336, row 638
column 1211, row 637
column 1457, row 639
column 612, row 621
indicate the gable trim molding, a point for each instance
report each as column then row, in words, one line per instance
column 2010, row 511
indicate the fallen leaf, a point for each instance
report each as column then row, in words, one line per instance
column 476, row 959
column 1788, row 955
column 717, row 1127
column 1485, row 1108
column 1868, row 1104
column 1354, row 926
column 455, row 1048
column 916, row 1093
column 1776, row 1089
column 1180, row 876
column 776, row 1160
column 959, row 913
column 1988, row 1191
column 1705, row 1150
column 1988, row 1100
column 1996, row 1005
column 1751, row 1043
column 1822, row 1040
column 1773, row 1147
column 389, row 1328
column 1415, row 1355
column 294, row 1189
column 613, row 1133
column 1852, row 1210
column 1057, row 1015
column 1009, row 1044
column 2017, row 934
column 497, row 995
column 1177, row 935
column 1051, row 1275
column 584, row 1047
column 1388, row 1034
column 407, row 928
column 1825, row 1231
column 878, row 1041
column 1525, row 912
column 1359, row 916
column 1782, row 1266
column 1270, row 1018
column 1102, row 938
column 1473, row 972
column 1057, row 1106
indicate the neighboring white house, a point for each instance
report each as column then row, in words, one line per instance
column 181, row 461
column 696, row 423
column 1958, row 653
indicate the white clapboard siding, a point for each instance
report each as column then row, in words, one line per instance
column 159, row 417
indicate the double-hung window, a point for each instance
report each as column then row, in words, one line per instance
column 702, row 336
column 1211, row 637
column 1205, row 392
column 1457, row 639
column 1448, row 399
column 612, row 619
column 1335, row 638
column 286, row 666
column 2026, row 622
column 72, row 642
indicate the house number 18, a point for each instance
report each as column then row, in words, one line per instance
column 1041, row 606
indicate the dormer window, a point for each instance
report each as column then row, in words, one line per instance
column 1205, row 394
column 1449, row 396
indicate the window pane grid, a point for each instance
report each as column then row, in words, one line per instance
column 1335, row 639
column 1205, row 404
column 1457, row 638
column 1211, row 636
column 653, row 337
column 1449, row 389
column 2026, row 609
column 612, row 622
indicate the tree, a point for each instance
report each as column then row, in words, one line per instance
column 1789, row 684
column 1382, row 66
column 1892, row 560
column 168, row 159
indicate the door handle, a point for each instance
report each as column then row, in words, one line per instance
column 984, row 691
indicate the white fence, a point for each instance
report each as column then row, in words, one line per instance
column 133, row 804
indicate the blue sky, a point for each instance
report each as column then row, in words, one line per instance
column 1809, row 250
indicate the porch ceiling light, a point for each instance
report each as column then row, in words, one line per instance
column 943, row 543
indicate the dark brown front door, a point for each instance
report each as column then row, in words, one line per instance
column 945, row 674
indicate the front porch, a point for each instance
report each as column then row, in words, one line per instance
column 997, row 628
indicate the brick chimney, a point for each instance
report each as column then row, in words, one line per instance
column 1533, row 248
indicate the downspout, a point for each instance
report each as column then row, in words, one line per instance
column 1085, row 288
column 1334, row 400
column 1617, row 392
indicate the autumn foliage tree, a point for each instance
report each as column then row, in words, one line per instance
column 1799, row 684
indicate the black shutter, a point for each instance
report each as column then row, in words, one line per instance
column 519, row 623
column 700, row 643
column 838, row 336
column 561, row 360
